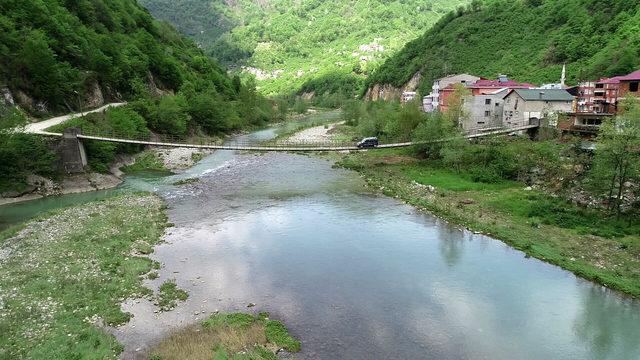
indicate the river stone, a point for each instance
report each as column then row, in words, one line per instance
column 284, row 354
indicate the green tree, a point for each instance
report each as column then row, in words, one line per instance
column 172, row 116
column 429, row 134
column 617, row 157
column 21, row 154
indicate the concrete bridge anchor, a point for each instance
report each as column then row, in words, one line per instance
column 73, row 157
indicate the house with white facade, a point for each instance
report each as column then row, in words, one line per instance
column 431, row 102
column 484, row 111
column 523, row 106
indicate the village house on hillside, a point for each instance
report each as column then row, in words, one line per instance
column 598, row 100
column 484, row 111
column 431, row 102
column 525, row 106
column 503, row 102
column 629, row 85
column 482, row 87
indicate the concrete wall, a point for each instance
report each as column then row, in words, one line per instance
column 518, row 111
column 482, row 111
column 73, row 157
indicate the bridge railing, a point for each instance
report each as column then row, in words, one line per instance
column 208, row 141
column 248, row 143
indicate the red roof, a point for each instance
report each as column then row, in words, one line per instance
column 631, row 77
column 613, row 80
column 483, row 84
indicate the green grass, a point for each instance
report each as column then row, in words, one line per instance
column 450, row 180
column 278, row 334
column 558, row 212
column 196, row 157
column 70, row 268
column 584, row 241
column 234, row 336
column 146, row 161
column 169, row 295
column 186, row 181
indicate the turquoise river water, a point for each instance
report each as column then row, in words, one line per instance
column 356, row 275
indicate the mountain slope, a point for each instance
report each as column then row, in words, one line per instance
column 53, row 50
column 528, row 40
column 60, row 56
column 287, row 43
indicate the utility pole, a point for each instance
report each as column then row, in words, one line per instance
column 79, row 98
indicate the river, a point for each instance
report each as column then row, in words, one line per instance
column 356, row 275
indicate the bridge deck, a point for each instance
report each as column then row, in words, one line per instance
column 292, row 147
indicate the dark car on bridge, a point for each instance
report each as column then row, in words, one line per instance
column 367, row 143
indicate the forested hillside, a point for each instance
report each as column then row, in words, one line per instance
column 288, row 43
column 52, row 49
column 527, row 39
column 59, row 56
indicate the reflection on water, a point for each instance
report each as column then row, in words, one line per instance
column 359, row 276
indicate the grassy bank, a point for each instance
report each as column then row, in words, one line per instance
column 605, row 250
column 228, row 336
column 66, row 273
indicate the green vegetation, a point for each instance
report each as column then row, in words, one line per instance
column 584, row 241
column 57, row 52
column 169, row 295
column 65, row 272
column 312, row 46
column 123, row 121
column 186, row 182
column 617, row 160
column 234, row 336
column 146, row 160
column 21, row 154
column 529, row 40
column 546, row 197
column 60, row 56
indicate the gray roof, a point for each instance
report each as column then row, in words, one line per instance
column 544, row 94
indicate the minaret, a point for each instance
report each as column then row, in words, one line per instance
column 563, row 79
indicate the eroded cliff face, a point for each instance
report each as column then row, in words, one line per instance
column 390, row 92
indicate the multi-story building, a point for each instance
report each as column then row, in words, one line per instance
column 431, row 102
column 482, row 87
column 483, row 111
column 605, row 95
column 584, row 96
column 524, row 106
column 628, row 85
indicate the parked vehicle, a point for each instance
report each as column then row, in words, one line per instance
column 367, row 143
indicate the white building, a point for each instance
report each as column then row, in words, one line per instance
column 484, row 111
column 431, row 101
column 522, row 106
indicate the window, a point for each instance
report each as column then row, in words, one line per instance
column 480, row 122
column 487, row 113
column 592, row 122
column 487, row 101
column 516, row 107
column 497, row 104
column 599, row 86
column 633, row 87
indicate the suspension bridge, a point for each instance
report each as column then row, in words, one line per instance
column 41, row 128
column 74, row 157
